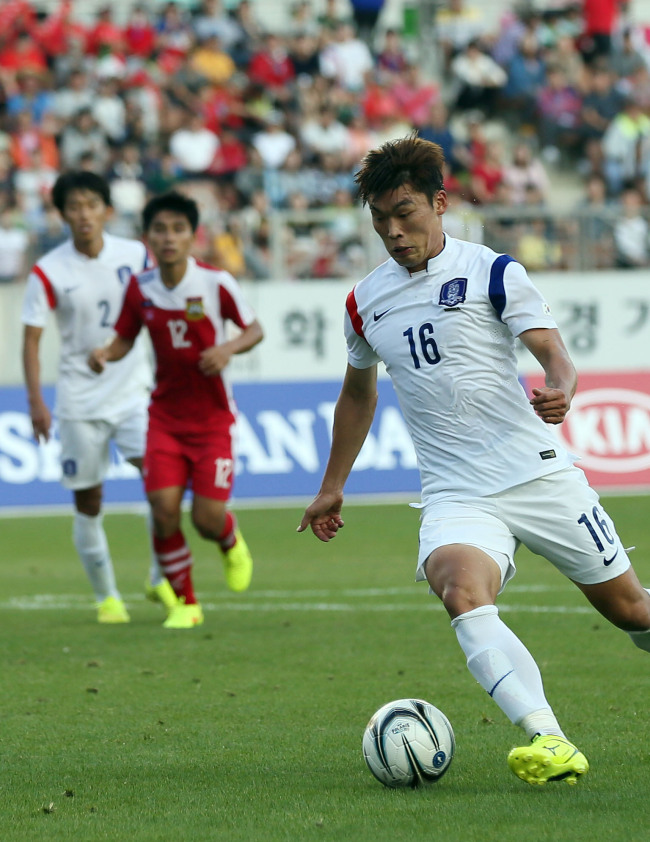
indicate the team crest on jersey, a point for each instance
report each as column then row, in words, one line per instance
column 453, row 292
column 194, row 309
column 124, row 274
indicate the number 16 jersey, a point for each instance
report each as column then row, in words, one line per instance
column 446, row 335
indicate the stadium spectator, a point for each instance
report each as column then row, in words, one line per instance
column 213, row 21
column 366, row 14
column 524, row 173
column 325, row 133
column 75, row 94
column 392, row 58
column 271, row 68
column 631, row 231
column 626, row 147
column 526, row 77
column 109, row 111
column 31, row 96
column 211, row 61
column 477, row 78
column 558, row 117
column 26, row 138
column 105, row 36
column 274, row 143
column 82, row 136
column 414, row 96
column 14, row 245
column 193, row 146
column 346, row 59
column 187, row 440
column 82, row 281
column 139, row 35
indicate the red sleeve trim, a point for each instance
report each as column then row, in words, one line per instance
column 355, row 318
column 47, row 284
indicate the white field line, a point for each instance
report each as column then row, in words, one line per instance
column 302, row 600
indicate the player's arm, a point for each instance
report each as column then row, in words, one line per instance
column 38, row 409
column 553, row 401
column 355, row 409
column 213, row 360
column 117, row 348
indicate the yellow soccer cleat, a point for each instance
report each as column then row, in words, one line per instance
column 184, row 616
column 548, row 758
column 238, row 564
column 163, row 594
column 112, row 610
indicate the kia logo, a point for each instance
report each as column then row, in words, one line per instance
column 610, row 430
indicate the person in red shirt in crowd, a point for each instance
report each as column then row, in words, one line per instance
column 58, row 33
column 185, row 306
column 272, row 67
column 15, row 16
column 600, row 18
column 139, row 34
column 105, row 36
column 22, row 53
column 487, row 174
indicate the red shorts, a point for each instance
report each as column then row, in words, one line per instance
column 201, row 461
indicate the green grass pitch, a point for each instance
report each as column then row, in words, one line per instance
column 249, row 727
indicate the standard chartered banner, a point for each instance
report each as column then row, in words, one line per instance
column 283, row 441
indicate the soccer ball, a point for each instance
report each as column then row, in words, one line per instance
column 408, row 742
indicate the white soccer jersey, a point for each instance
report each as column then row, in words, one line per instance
column 86, row 296
column 446, row 335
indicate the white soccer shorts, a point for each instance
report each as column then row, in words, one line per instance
column 85, row 454
column 557, row 516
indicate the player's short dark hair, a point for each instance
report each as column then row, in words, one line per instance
column 79, row 180
column 172, row 201
column 407, row 160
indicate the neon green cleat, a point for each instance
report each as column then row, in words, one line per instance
column 548, row 758
column 184, row 616
column 112, row 610
column 238, row 564
column 162, row 593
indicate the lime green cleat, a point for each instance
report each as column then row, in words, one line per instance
column 548, row 758
column 112, row 610
column 184, row 616
column 162, row 593
column 238, row 564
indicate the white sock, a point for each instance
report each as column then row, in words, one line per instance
column 503, row 667
column 90, row 542
column 156, row 576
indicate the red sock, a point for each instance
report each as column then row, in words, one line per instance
column 175, row 559
column 227, row 538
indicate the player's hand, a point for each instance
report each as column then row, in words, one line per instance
column 97, row 360
column 212, row 361
column 41, row 420
column 551, row 405
column 324, row 516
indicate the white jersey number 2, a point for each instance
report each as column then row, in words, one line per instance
column 177, row 331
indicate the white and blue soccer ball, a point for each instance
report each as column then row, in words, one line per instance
column 408, row 742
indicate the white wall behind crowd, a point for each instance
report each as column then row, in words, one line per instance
column 286, row 390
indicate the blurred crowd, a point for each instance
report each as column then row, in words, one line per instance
column 251, row 121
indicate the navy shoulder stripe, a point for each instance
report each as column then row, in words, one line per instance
column 496, row 289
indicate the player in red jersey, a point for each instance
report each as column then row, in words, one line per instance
column 185, row 306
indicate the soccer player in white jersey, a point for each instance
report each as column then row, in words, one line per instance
column 83, row 282
column 185, row 305
column 443, row 315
